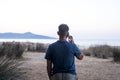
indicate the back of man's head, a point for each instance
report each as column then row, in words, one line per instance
column 63, row 29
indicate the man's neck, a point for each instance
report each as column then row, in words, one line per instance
column 63, row 38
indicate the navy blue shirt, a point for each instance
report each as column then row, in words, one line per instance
column 62, row 53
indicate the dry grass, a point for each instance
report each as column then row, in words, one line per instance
column 11, row 69
column 88, row 69
column 98, row 69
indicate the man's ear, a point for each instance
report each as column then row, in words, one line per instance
column 68, row 34
column 58, row 33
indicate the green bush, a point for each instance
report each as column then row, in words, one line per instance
column 10, row 69
column 116, row 54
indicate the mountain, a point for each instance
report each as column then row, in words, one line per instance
column 27, row 35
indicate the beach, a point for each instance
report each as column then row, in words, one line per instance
column 89, row 68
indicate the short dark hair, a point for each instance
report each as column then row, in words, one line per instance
column 63, row 29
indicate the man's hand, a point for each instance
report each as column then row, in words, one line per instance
column 70, row 39
column 49, row 68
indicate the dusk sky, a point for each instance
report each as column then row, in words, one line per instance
column 86, row 18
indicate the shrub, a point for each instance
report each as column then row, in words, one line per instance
column 41, row 47
column 10, row 69
column 38, row 47
column 11, row 49
column 100, row 51
column 86, row 52
column 31, row 46
column 116, row 54
column 19, row 49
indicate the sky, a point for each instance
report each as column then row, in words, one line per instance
column 87, row 19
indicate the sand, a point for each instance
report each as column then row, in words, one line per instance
column 87, row 69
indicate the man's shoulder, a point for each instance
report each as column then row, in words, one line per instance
column 72, row 44
column 54, row 43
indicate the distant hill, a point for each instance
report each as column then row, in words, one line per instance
column 27, row 35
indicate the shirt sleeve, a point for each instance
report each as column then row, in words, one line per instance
column 48, row 55
column 77, row 51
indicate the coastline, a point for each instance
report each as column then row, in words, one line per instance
column 81, row 43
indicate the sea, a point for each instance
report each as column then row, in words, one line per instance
column 81, row 42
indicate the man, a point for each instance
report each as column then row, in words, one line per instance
column 60, row 56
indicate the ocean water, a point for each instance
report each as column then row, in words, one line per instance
column 83, row 43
